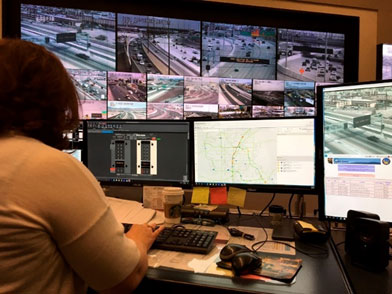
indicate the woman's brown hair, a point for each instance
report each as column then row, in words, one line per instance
column 37, row 96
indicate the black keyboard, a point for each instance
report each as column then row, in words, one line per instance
column 185, row 240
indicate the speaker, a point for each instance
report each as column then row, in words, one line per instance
column 350, row 226
column 367, row 241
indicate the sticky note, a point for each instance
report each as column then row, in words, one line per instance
column 236, row 197
column 200, row 195
column 218, row 195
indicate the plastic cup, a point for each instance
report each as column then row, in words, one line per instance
column 276, row 212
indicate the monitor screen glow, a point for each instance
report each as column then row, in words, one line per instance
column 270, row 152
column 357, row 149
column 138, row 151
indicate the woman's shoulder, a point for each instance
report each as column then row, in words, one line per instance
column 33, row 153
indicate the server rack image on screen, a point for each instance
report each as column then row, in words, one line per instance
column 263, row 154
column 356, row 149
column 138, row 151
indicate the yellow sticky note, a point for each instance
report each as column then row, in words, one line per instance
column 236, row 197
column 200, row 195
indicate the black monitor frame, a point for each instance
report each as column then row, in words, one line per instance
column 142, row 181
column 271, row 188
column 320, row 146
column 207, row 11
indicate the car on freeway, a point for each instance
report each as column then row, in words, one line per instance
column 82, row 55
column 332, row 77
column 373, row 138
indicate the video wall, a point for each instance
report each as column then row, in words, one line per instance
column 129, row 66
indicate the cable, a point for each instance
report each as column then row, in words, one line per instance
column 269, row 203
column 315, row 254
column 237, row 233
column 239, row 211
column 323, row 252
column 290, row 200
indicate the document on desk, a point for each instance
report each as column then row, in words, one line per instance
column 199, row 263
column 215, row 270
column 268, row 247
column 130, row 212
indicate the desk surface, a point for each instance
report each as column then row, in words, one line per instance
column 363, row 281
column 317, row 275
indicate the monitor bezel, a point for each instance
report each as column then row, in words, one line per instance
column 320, row 145
column 142, row 182
column 270, row 188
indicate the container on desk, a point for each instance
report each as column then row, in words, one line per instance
column 277, row 213
column 172, row 202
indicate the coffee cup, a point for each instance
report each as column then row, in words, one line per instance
column 172, row 202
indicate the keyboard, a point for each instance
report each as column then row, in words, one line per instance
column 185, row 240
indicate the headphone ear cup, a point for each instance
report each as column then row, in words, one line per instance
column 244, row 263
column 229, row 257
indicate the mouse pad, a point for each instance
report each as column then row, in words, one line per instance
column 278, row 268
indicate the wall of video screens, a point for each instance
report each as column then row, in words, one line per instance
column 129, row 66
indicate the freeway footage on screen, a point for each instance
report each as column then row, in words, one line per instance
column 158, row 45
column 82, row 39
column 171, row 68
column 310, row 56
column 357, row 119
column 387, row 61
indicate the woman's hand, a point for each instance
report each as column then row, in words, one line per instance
column 144, row 235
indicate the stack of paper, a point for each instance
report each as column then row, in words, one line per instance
column 130, row 212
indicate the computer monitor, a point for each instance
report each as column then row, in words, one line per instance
column 257, row 154
column 355, row 149
column 133, row 152
column 76, row 153
column 384, row 62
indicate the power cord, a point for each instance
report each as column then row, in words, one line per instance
column 323, row 252
column 237, row 233
column 269, row 203
column 289, row 206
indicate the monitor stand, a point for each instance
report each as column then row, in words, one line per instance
column 284, row 231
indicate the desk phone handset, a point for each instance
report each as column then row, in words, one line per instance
column 308, row 232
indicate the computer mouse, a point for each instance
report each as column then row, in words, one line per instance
column 245, row 262
column 230, row 250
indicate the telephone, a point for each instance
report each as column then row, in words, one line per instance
column 308, row 232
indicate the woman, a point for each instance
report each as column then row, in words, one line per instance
column 57, row 232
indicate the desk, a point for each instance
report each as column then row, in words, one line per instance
column 317, row 275
column 363, row 281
